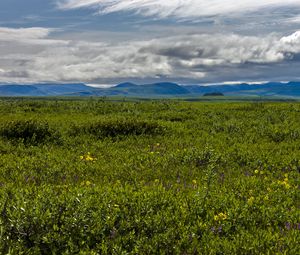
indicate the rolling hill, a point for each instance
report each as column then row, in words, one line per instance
column 163, row 89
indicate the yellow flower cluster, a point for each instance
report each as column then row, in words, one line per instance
column 86, row 183
column 250, row 200
column 88, row 157
column 285, row 182
column 220, row 217
column 259, row 172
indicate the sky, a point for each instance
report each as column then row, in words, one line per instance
column 107, row 42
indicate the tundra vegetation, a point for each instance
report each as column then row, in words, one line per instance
column 154, row 177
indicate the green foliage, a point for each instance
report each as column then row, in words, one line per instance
column 29, row 131
column 184, row 178
column 118, row 127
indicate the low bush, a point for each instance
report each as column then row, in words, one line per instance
column 31, row 132
column 115, row 128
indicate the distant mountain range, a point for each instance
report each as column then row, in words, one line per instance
column 163, row 89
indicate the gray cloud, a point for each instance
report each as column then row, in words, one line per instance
column 7, row 34
column 35, row 55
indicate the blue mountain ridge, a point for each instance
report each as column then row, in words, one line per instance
column 161, row 89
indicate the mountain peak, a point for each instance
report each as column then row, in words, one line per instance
column 126, row 85
column 159, row 89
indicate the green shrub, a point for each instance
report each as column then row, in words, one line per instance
column 31, row 132
column 115, row 128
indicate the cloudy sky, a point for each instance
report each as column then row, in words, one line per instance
column 185, row 41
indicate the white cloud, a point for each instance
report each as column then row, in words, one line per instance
column 293, row 40
column 178, row 8
column 7, row 34
column 32, row 55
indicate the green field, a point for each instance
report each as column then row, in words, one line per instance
column 149, row 177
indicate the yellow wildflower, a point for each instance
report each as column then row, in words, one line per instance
column 88, row 157
column 220, row 217
column 86, row 183
column 256, row 171
column 250, row 200
column 285, row 182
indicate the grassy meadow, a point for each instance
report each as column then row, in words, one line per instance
column 149, row 177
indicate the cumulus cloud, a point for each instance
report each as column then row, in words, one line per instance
column 33, row 55
column 292, row 40
column 178, row 8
